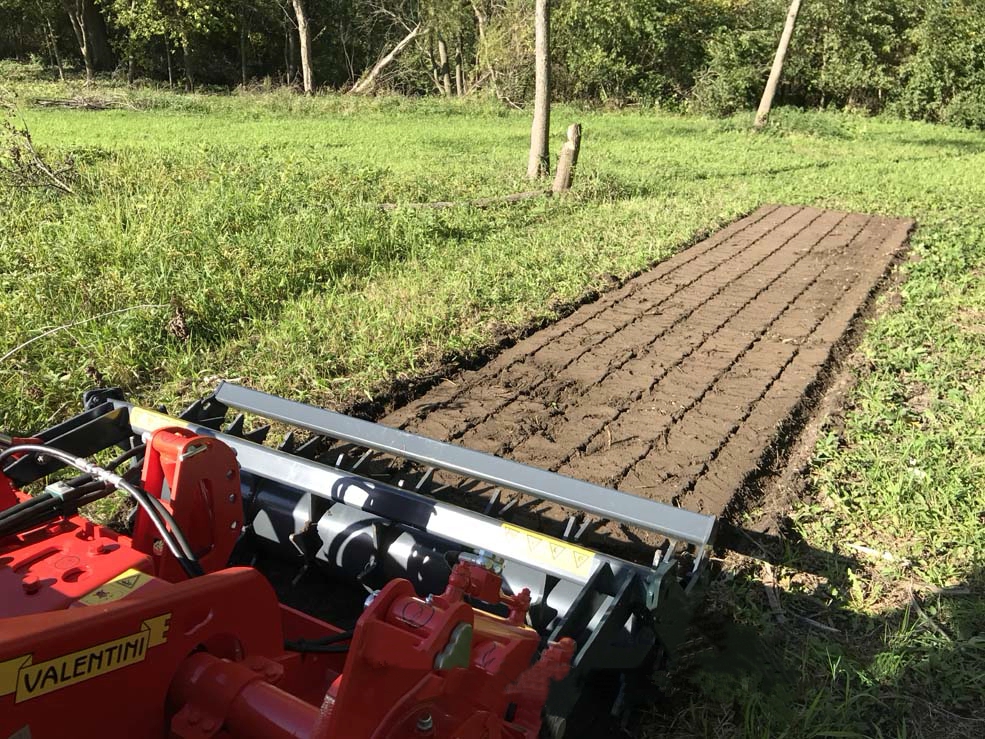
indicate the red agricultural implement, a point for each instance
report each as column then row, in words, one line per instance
column 394, row 612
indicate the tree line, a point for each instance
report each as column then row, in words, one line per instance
column 920, row 59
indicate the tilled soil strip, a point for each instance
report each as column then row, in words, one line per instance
column 676, row 385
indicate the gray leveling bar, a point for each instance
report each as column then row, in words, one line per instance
column 675, row 523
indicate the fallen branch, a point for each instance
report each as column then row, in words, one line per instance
column 936, row 627
column 875, row 553
column 23, row 166
column 79, row 103
column 509, row 102
column 475, row 86
column 368, row 80
column 819, row 625
column 772, row 594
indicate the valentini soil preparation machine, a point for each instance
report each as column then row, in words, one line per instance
column 397, row 609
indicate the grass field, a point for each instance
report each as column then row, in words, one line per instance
column 249, row 224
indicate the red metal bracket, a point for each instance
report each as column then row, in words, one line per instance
column 197, row 479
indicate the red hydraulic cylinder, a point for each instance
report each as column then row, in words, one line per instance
column 210, row 694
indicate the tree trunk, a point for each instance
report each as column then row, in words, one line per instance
column 53, row 40
column 131, row 62
column 51, row 54
column 480, row 27
column 242, row 51
column 459, row 70
column 290, row 43
column 480, row 48
column 368, row 80
column 763, row 114
column 167, row 55
column 443, row 61
column 77, row 15
column 304, row 36
column 538, row 162
column 435, row 76
column 103, row 59
column 186, row 59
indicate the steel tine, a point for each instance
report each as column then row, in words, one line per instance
column 368, row 454
column 569, row 526
column 236, row 427
column 508, row 505
column 468, row 485
column 288, row 444
column 258, row 435
column 425, row 478
column 493, row 500
column 669, row 554
column 310, row 448
column 584, row 527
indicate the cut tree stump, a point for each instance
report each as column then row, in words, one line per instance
column 567, row 160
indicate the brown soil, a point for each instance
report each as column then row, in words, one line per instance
column 679, row 384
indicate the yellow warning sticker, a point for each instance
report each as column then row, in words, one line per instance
column 119, row 587
column 552, row 553
column 28, row 680
column 143, row 419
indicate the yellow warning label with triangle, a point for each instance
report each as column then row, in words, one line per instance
column 550, row 553
column 119, row 587
column 129, row 582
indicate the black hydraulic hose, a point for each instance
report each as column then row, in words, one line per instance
column 25, row 505
column 49, row 506
column 111, row 465
column 169, row 531
column 31, row 518
column 333, row 639
column 128, row 454
column 326, row 644
column 172, row 524
column 186, row 558
column 302, row 646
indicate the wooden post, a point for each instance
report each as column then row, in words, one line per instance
column 763, row 114
column 567, row 160
column 537, row 161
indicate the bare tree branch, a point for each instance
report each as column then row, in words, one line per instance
column 368, row 80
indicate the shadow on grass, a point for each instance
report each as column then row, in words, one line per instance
column 797, row 642
column 965, row 146
column 622, row 189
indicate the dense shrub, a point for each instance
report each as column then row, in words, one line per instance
column 943, row 77
column 967, row 108
column 922, row 59
column 636, row 49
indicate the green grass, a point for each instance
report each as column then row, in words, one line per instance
column 253, row 217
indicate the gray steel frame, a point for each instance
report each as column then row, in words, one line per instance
column 455, row 524
column 675, row 523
